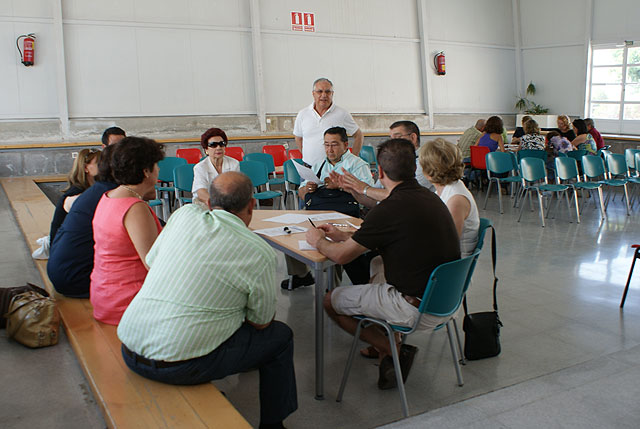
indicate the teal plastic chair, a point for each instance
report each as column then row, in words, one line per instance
column 165, row 176
column 630, row 157
column 183, row 182
column 534, row 178
column 500, row 163
column 442, row 297
column 291, row 182
column 532, row 153
column 577, row 154
column 594, row 170
column 257, row 172
column 368, row 154
column 633, row 175
column 267, row 160
column 567, row 173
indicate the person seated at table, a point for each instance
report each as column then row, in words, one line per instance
column 81, row 177
column 584, row 140
column 441, row 163
column 213, row 141
column 71, row 253
column 469, row 138
column 492, row 135
column 124, row 228
column 564, row 127
column 532, row 139
column 112, row 135
column 519, row 132
column 414, row 232
column 338, row 158
column 594, row 133
column 207, row 307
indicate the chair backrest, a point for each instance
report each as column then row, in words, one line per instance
column 264, row 158
column 593, row 166
column 277, row 151
column 577, row 154
column 295, row 154
column 478, row 154
column 532, row 153
column 617, row 164
column 604, row 153
column 446, row 286
column 257, row 172
column 368, row 153
column 192, row 154
column 167, row 165
column 290, row 173
column 566, row 168
column 482, row 230
column 183, row 177
column 499, row 162
column 235, row 152
column 637, row 159
column 532, row 169
column 630, row 157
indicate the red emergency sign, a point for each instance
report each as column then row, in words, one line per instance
column 303, row 21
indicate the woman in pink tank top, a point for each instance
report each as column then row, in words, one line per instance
column 124, row 228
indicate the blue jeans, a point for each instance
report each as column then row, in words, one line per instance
column 270, row 350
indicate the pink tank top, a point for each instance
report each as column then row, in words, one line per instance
column 118, row 272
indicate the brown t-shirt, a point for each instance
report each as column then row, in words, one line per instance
column 414, row 233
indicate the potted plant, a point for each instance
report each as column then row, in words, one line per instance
column 538, row 112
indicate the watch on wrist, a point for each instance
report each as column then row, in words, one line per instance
column 364, row 191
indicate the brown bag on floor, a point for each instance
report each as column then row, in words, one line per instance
column 7, row 294
column 33, row 320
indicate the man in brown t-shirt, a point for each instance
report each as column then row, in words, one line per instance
column 413, row 231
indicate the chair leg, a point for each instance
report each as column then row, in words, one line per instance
column 454, row 353
column 486, row 197
column 626, row 199
column 541, row 206
column 396, row 366
column 636, row 255
column 347, row 369
column 462, row 360
column 524, row 197
column 499, row 196
column 602, row 207
column 575, row 197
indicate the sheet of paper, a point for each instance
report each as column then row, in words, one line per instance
column 281, row 230
column 288, row 218
column 306, row 174
column 303, row 245
column 327, row 216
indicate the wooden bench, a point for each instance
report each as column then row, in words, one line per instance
column 126, row 399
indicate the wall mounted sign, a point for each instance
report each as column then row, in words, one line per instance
column 303, row 21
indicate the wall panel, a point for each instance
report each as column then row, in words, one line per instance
column 552, row 22
column 615, row 21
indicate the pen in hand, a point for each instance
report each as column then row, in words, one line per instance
column 312, row 224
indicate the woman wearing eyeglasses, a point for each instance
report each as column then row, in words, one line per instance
column 213, row 141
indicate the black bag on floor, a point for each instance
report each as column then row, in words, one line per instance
column 7, row 294
column 482, row 330
column 331, row 199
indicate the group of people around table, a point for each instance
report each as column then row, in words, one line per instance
column 195, row 301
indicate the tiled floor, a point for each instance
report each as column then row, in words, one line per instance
column 570, row 357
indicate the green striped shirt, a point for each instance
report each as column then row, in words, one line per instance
column 208, row 273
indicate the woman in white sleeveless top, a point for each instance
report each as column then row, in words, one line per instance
column 442, row 165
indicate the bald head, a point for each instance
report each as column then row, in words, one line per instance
column 231, row 191
column 480, row 124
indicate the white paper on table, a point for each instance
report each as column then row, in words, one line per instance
column 327, row 216
column 288, row 218
column 303, row 245
column 280, row 230
column 306, row 174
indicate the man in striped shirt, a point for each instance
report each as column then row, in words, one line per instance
column 206, row 309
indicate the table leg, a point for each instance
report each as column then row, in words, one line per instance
column 320, row 287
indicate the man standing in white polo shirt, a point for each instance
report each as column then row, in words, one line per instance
column 314, row 120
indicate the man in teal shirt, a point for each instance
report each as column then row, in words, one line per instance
column 206, row 309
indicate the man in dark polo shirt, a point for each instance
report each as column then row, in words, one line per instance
column 413, row 231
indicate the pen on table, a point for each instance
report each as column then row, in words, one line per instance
column 287, row 230
column 311, row 222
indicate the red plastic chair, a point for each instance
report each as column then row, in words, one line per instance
column 295, row 154
column 234, row 152
column 192, row 155
column 278, row 152
column 479, row 163
column 636, row 255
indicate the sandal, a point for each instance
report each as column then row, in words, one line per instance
column 370, row 353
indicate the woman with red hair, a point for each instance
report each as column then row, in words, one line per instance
column 213, row 141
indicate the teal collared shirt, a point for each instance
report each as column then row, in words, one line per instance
column 351, row 163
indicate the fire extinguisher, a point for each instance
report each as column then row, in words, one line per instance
column 438, row 62
column 29, row 48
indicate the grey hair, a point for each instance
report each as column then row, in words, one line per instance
column 231, row 196
column 321, row 79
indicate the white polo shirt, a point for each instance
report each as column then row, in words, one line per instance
column 311, row 127
column 204, row 172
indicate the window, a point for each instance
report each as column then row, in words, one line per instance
column 615, row 87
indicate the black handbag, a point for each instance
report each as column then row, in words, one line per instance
column 482, row 330
column 331, row 199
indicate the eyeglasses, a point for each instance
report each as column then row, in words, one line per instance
column 326, row 91
column 216, row 144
